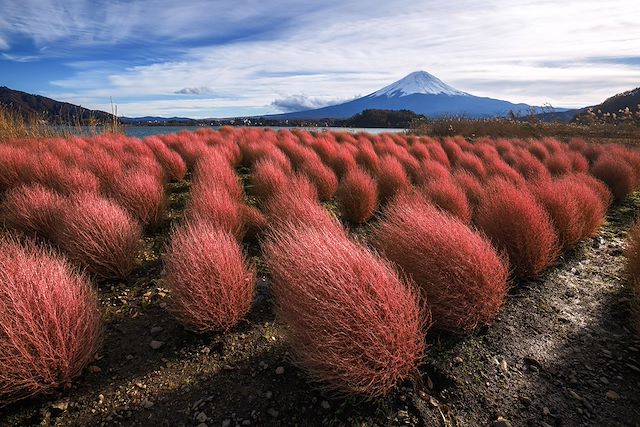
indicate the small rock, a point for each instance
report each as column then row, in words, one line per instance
column 226, row 423
column 612, row 395
column 574, row 395
column 129, row 357
column 263, row 365
column 268, row 395
column 501, row 422
column 246, row 423
column 325, row 404
column 503, row 366
column 457, row 360
column 147, row 404
column 603, row 380
column 201, row 417
column 60, row 406
column 279, row 370
column 273, row 412
column 156, row 344
column 94, row 369
column 156, row 330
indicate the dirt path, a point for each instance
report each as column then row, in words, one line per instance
column 559, row 354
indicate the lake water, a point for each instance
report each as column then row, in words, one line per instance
column 143, row 131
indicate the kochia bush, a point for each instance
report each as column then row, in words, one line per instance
column 518, row 225
column 458, row 270
column 353, row 325
column 32, row 210
column 357, row 196
column 212, row 284
column 98, row 234
column 49, row 321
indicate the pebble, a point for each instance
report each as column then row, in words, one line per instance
column 246, row 423
column 503, row 366
column 94, row 369
column 156, row 344
column 129, row 357
column 60, row 406
column 147, row 403
column 226, row 423
column 273, row 412
column 279, row 370
column 325, row 404
column 603, row 380
column 612, row 395
column 501, row 422
column 201, row 417
column 457, row 360
column 268, row 395
column 156, row 330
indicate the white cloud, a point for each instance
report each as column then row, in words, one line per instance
column 496, row 48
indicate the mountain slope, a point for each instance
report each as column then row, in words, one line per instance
column 421, row 93
column 617, row 103
column 49, row 109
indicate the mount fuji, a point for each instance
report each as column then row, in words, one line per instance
column 422, row 93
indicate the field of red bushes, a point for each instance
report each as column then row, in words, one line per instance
column 361, row 250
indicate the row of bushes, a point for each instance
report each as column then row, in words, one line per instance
column 455, row 220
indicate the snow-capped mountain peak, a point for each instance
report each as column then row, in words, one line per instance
column 418, row 82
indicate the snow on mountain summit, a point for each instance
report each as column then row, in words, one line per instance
column 417, row 82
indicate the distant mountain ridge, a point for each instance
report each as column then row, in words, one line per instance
column 57, row 112
column 422, row 93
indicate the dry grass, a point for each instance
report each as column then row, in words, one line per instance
column 13, row 126
column 622, row 133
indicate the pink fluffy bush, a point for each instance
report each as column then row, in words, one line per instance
column 392, row 178
column 445, row 194
column 32, row 210
column 212, row 283
column 353, row 325
column 616, row 173
column 98, row 234
column 49, row 321
column 518, row 225
column 458, row 270
column 216, row 206
column 357, row 196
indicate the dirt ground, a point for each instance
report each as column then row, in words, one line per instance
column 560, row 353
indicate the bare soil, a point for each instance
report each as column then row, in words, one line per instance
column 560, row 353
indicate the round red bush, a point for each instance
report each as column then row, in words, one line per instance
column 32, row 209
column 353, row 325
column 616, row 173
column 459, row 272
column 142, row 195
column 357, row 196
column 212, row 284
column 445, row 194
column 49, row 321
column 518, row 225
column 98, row 234
column 392, row 178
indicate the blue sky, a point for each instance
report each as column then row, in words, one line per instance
column 224, row 58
